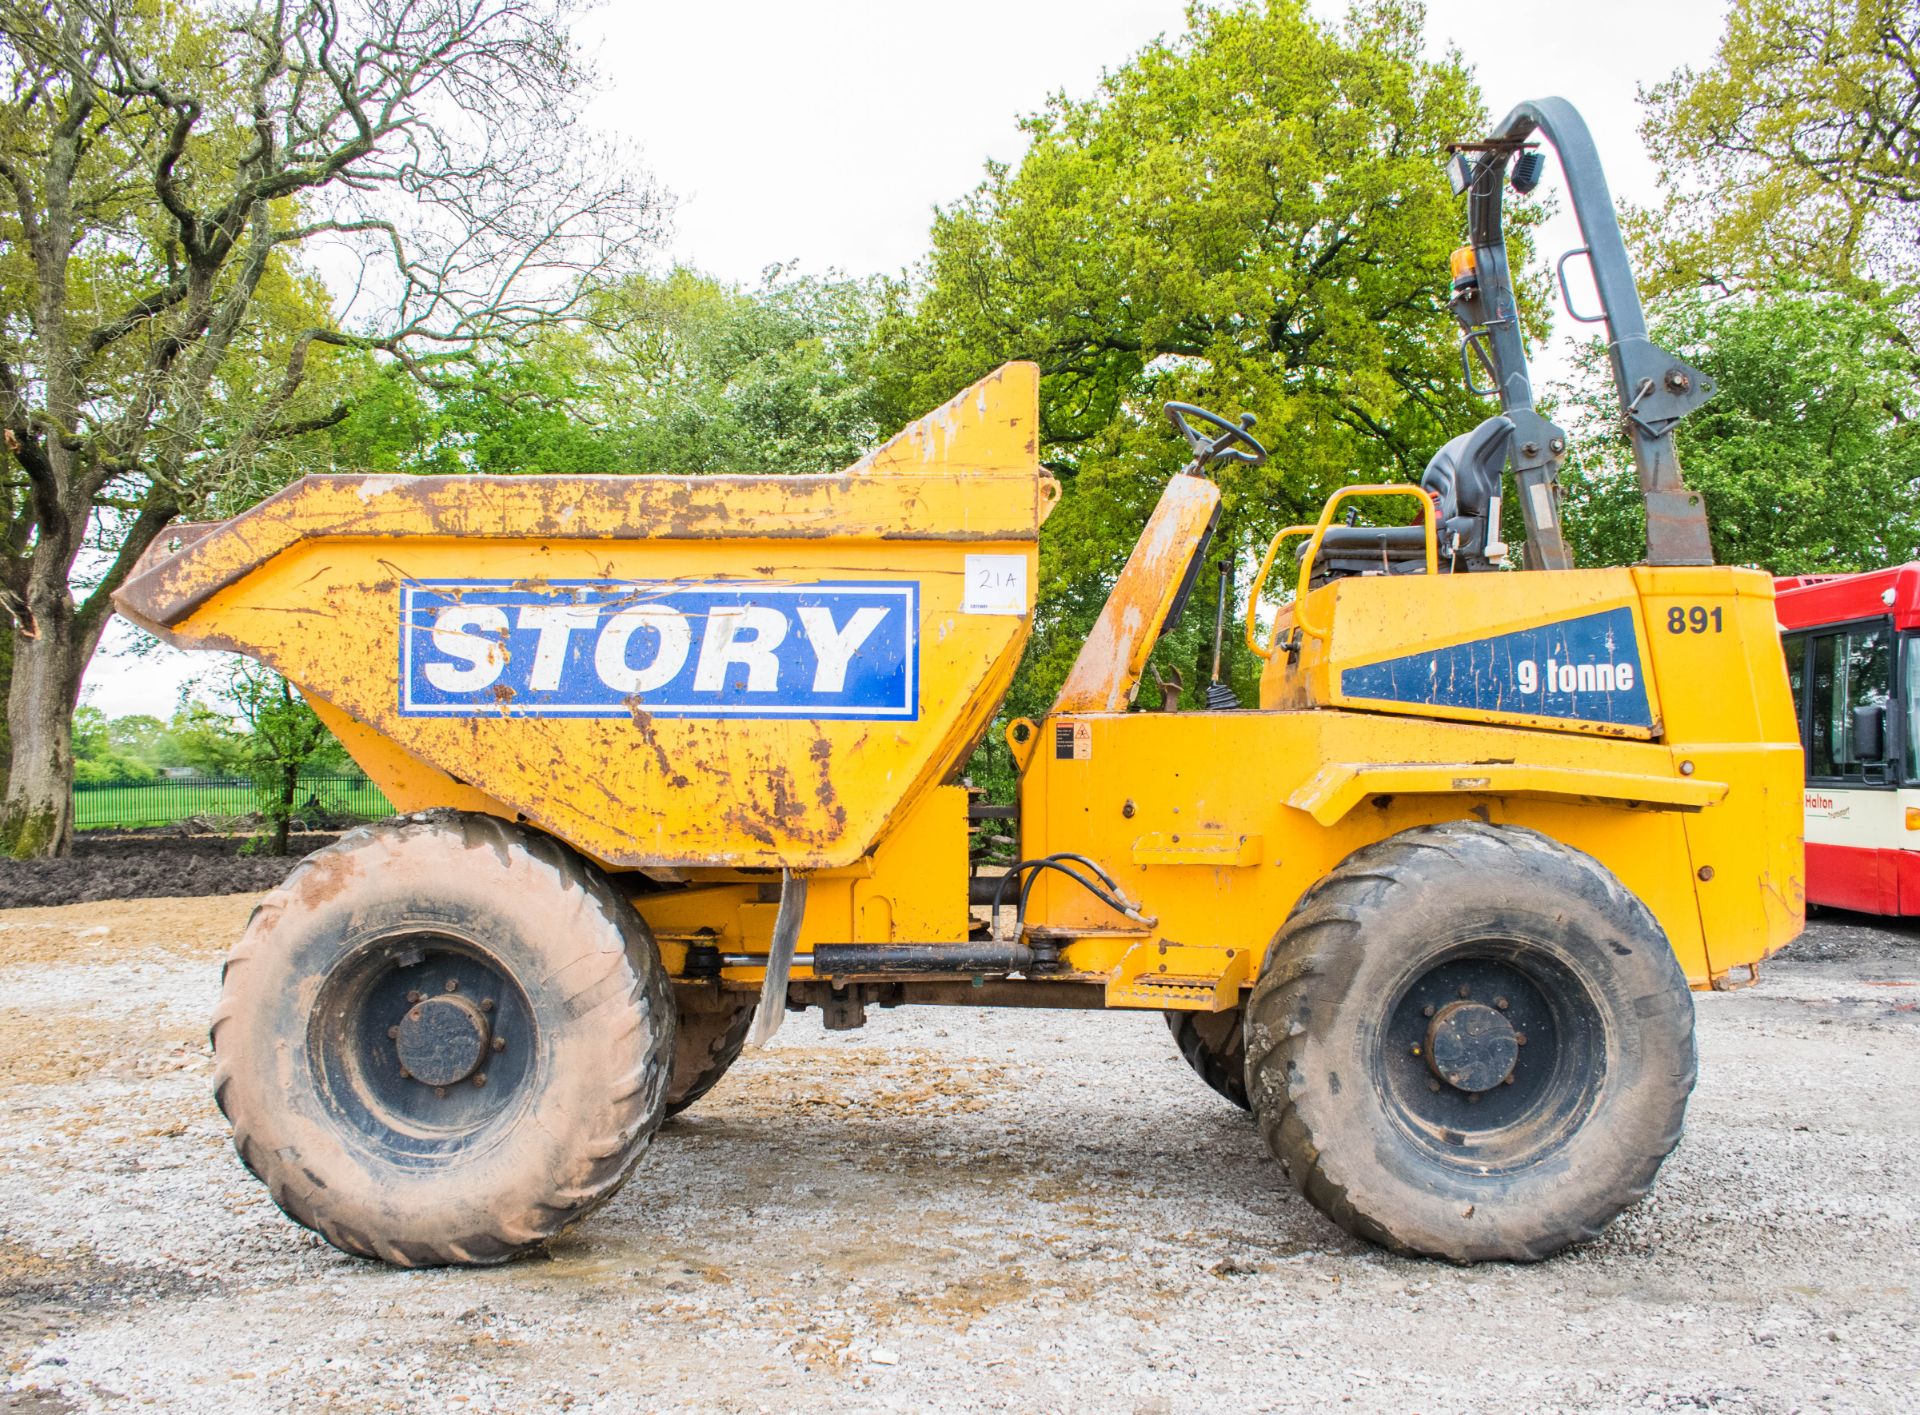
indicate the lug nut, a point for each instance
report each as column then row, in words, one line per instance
column 481, row 1079
column 1426, row 1011
column 1416, row 1051
column 1464, row 990
column 499, row 1043
column 1519, row 1039
column 1501, row 1003
column 486, row 1004
column 1433, row 1085
column 415, row 996
column 440, row 1091
column 1507, row 1082
column 405, row 1075
column 393, row 1031
column 1473, row 1098
column 453, row 985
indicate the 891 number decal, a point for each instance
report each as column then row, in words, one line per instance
column 1697, row 619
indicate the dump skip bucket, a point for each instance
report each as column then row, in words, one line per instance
column 663, row 671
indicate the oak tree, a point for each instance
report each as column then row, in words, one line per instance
column 1796, row 152
column 1250, row 215
column 174, row 182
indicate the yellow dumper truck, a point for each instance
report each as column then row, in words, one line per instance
column 678, row 755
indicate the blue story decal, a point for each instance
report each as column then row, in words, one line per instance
column 675, row 648
column 1585, row 669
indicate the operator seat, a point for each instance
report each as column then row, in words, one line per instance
column 1463, row 477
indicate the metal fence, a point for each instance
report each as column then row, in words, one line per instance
column 221, row 803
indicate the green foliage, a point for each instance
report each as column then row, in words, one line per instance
column 704, row 377
column 1796, row 153
column 112, row 769
column 104, row 757
column 283, row 740
column 1251, row 216
column 1806, row 454
column 680, row 374
column 144, row 739
column 129, row 750
column 207, row 741
column 90, row 733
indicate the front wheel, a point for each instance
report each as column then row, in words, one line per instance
column 443, row 1040
column 1471, row 1042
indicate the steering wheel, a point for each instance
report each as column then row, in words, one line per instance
column 1209, row 448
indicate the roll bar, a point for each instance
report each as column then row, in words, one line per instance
column 1655, row 390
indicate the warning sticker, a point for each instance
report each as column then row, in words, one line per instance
column 1073, row 741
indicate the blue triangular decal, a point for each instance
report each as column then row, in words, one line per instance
column 1585, row 669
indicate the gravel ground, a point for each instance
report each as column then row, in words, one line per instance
column 948, row 1209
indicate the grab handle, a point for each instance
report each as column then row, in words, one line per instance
column 1429, row 519
column 1259, row 583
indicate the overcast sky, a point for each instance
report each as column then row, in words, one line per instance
column 824, row 133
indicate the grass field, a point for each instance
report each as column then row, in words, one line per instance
column 164, row 802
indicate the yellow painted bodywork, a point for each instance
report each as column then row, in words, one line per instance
column 309, row 582
column 902, row 893
column 1700, row 823
column 1106, row 672
column 1214, row 824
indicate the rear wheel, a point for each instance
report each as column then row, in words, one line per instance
column 1214, row 1045
column 443, row 1040
column 1471, row 1042
column 713, row 1029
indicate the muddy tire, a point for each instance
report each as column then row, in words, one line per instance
column 443, row 1040
column 1471, row 1042
column 1214, row 1045
column 713, row 1028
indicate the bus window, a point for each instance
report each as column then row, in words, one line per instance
column 1850, row 669
column 1795, row 646
column 1910, row 708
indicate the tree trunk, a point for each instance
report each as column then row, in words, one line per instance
column 6, row 689
column 37, row 818
column 289, row 785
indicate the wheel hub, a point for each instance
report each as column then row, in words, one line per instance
column 442, row 1040
column 1471, row 1046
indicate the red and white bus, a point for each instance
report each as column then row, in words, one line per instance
column 1853, row 656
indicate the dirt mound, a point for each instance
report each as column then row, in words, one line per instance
column 150, row 865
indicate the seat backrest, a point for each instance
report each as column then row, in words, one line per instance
column 1465, row 473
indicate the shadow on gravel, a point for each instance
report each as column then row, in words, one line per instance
column 1837, row 936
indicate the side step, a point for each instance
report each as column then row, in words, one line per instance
column 1179, row 977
